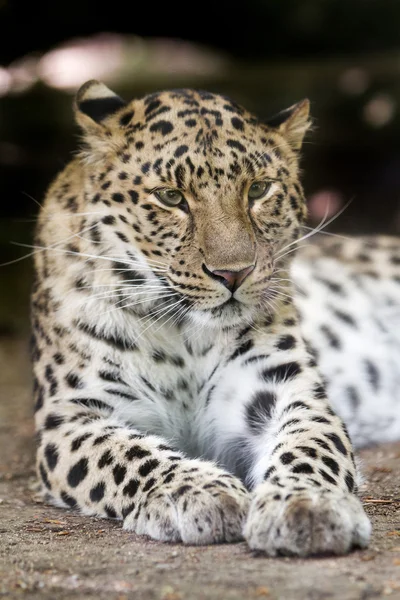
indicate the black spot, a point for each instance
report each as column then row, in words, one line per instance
column 256, row 358
column 77, row 442
column 111, row 340
column 320, row 419
column 269, row 472
column 332, row 464
column 148, row 467
column 303, row 468
column 282, row 372
column 74, row 381
column 164, row 127
column 109, row 376
column 95, row 234
column 164, row 447
column 92, row 403
column 373, row 374
column 131, row 488
column 322, row 444
column 331, row 337
column 295, row 404
column 311, row 452
column 53, row 421
column 101, row 108
column 149, row 484
column 118, row 197
column 259, row 410
column 289, row 423
column 237, row 123
column 169, row 478
column 126, row 118
column 153, row 105
column 134, row 196
column 105, row 459
column 327, row 477
column 97, row 492
column 51, row 454
column 119, row 472
column 242, row 349
column 353, row 396
column 320, row 391
column 346, row 318
column 136, row 452
column 236, row 145
column 101, row 439
column 127, row 510
column 337, row 441
column 69, row 500
column 289, row 322
column 110, row 512
column 286, row 342
column 159, row 356
column 181, row 491
column 177, row 361
column 349, row 481
column 39, row 398
column 109, row 220
column 287, row 457
column 180, row 151
column 58, row 358
column 49, row 375
column 146, row 168
column 44, row 477
column 336, row 288
column 78, row 472
column 180, row 172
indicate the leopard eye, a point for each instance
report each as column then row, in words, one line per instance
column 170, row 197
column 258, row 189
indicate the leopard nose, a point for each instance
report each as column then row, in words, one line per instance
column 230, row 279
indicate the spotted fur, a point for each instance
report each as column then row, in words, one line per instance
column 176, row 378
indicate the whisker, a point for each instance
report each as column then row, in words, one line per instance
column 279, row 257
column 322, row 225
column 36, row 249
column 337, row 235
column 163, row 314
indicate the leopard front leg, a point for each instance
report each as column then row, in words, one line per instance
column 103, row 468
column 285, row 441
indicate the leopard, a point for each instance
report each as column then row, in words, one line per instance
column 203, row 365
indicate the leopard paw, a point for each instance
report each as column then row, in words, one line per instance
column 209, row 508
column 303, row 523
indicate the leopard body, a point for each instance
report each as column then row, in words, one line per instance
column 184, row 354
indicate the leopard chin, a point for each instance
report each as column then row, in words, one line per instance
column 229, row 314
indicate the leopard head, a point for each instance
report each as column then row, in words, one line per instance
column 195, row 193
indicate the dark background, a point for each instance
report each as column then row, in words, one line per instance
column 342, row 54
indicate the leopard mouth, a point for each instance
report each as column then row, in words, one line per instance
column 231, row 304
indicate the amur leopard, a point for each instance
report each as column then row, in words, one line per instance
column 184, row 353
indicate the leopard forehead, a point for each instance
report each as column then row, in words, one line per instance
column 182, row 134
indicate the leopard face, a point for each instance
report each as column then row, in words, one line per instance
column 193, row 196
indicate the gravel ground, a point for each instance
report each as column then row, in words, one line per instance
column 50, row 553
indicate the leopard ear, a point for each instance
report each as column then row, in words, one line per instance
column 94, row 102
column 292, row 123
